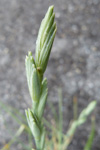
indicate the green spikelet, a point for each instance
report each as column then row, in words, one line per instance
column 33, row 124
column 45, row 39
column 29, row 62
column 32, row 78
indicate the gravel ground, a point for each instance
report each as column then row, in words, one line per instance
column 74, row 64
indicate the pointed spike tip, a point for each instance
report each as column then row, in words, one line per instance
column 29, row 53
column 51, row 7
column 50, row 10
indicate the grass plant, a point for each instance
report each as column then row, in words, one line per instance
column 37, row 84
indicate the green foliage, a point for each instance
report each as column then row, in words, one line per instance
column 81, row 119
column 89, row 142
column 58, row 140
column 84, row 114
column 20, row 120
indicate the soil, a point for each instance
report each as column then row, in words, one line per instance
column 74, row 64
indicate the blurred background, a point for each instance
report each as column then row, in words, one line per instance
column 74, row 64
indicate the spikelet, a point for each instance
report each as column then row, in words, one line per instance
column 45, row 39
